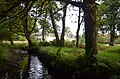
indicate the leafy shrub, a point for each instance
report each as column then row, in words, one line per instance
column 53, row 42
column 45, row 43
column 70, row 43
column 19, row 46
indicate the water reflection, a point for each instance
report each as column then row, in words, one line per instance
column 37, row 71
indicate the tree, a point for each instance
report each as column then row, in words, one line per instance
column 109, row 18
column 68, row 32
column 55, row 16
column 78, row 29
column 11, row 9
column 63, row 24
column 9, row 29
column 54, row 27
column 89, row 9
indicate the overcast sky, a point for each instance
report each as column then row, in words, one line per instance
column 72, row 20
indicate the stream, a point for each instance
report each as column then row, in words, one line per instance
column 37, row 70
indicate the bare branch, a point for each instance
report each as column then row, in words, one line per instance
column 60, row 9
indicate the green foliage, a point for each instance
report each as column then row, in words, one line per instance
column 9, row 62
column 111, row 60
column 24, row 64
column 117, row 40
column 4, row 34
column 70, row 43
column 21, row 46
column 103, row 38
column 72, row 60
column 19, row 38
column 115, row 77
column 108, row 15
column 45, row 43
column 2, row 51
column 63, row 59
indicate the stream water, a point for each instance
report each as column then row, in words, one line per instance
column 37, row 70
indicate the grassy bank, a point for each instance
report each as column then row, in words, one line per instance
column 10, row 62
column 70, row 62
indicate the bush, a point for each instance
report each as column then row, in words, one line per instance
column 45, row 43
column 70, row 43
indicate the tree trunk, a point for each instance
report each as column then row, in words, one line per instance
column 78, row 29
column 54, row 27
column 11, row 39
column 90, row 31
column 27, row 32
column 29, row 42
column 43, row 34
column 11, row 42
column 112, row 36
column 63, row 26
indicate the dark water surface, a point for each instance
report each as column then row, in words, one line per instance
column 37, row 71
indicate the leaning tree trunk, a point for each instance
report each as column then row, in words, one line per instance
column 11, row 39
column 27, row 32
column 43, row 33
column 54, row 27
column 78, row 29
column 90, row 31
column 63, row 26
column 112, row 36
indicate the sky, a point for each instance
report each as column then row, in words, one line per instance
column 72, row 20
column 72, row 16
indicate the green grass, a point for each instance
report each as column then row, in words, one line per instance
column 24, row 63
column 73, row 58
column 4, row 53
column 65, row 53
column 111, row 56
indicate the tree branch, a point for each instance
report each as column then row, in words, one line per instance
column 60, row 9
column 77, row 4
column 36, row 18
column 19, row 12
